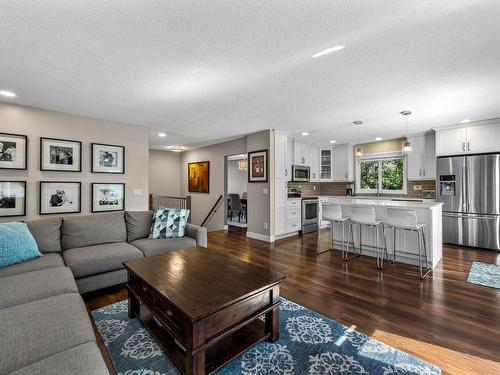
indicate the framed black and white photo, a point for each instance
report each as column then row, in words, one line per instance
column 108, row 197
column 107, row 158
column 13, row 151
column 60, row 155
column 60, row 197
column 12, row 198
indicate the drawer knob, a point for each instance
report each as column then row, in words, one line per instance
column 170, row 314
column 144, row 289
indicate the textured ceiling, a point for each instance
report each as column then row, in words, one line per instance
column 204, row 71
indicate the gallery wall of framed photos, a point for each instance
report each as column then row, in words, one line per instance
column 58, row 163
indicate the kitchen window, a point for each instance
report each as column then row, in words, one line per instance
column 385, row 175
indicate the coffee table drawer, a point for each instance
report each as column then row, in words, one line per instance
column 142, row 291
column 232, row 315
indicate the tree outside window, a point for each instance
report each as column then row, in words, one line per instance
column 386, row 175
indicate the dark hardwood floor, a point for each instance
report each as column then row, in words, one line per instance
column 443, row 319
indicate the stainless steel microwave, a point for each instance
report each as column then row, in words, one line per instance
column 300, row 173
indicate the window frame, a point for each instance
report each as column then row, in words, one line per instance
column 380, row 158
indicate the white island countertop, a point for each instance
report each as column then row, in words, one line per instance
column 385, row 202
column 428, row 213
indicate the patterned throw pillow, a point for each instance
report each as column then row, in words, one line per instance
column 16, row 244
column 169, row 223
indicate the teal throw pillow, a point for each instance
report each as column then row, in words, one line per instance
column 169, row 223
column 16, row 244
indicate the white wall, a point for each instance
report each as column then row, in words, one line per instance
column 164, row 173
column 36, row 123
column 202, row 203
column 236, row 179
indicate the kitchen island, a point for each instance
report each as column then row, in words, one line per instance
column 428, row 213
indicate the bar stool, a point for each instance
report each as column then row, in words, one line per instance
column 365, row 216
column 333, row 214
column 406, row 219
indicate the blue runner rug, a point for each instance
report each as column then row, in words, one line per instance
column 309, row 343
column 486, row 274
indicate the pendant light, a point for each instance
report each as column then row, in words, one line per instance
column 406, row 144
column 359, row 149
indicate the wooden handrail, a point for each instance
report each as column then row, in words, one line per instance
column 212, row 210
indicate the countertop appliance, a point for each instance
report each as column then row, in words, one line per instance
column 349, row 190
column 310, row 212
column 301, row 173
column 469, row 187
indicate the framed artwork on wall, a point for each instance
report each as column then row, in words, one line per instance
column 108, row 197
column 199, row 177
column 257, row 166
column 107, row 158
column 60, row 197
column 12, row 198
column 13, row 151
column 60, row 155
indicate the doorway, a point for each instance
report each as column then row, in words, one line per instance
column 236, row 203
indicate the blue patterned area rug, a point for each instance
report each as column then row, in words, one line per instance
column 309, row 343
column 486, row 274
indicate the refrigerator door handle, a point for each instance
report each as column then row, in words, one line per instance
column 464, row 190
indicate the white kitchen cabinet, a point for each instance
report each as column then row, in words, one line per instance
column 326, row 164
column 343, row 163
column 280, row 206
column 301, row 153
column 280, row 156
column 293, row 215
column 306, row 154
column 315, row 164
column 463, row 140
column 451, row 142
column 422, row 159
column 481, row 138
column 289, row 158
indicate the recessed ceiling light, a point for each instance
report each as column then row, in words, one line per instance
column 328, row 50
column 332, row 141
column 8, row 94
column 464, row 121
column 162, row 135
column 305, row 133
column 378, row 138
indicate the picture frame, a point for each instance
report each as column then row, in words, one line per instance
column 12, row 198
column 13, row 151
column 257, row 166
column 107, row 158
column 60, row 197
column 60, row 155
column 107, row 197
column 199, row 177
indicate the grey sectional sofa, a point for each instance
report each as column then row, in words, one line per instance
column 45, row 326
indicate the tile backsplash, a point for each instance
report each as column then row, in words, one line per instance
column 338, row 188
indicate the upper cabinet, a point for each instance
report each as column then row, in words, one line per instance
column 326, row 164
column 422, row 159
column 289, row 158
column 281, row 156
column 315, row 164
column 301, row 154
column 468, row 139
column 343, row 163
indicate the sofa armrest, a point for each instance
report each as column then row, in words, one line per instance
column 197, row 233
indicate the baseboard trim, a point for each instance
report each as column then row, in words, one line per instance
column 260, row 237
column 286, row 235
column 226, row 227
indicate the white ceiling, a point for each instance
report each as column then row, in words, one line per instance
column 204, row 71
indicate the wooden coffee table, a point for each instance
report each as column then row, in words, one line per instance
column 203, row 307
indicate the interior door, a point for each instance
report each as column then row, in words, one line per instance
column 483, row 184
column 451, row 178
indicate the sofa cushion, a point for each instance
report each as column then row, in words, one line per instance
column 36, row 330
column 169, row 223
column 92, row 260
column 47, row 261
column 31, row 286
column 47, row 234
column 81, row 360
column 154, row 247
column 101, row 281
column 80, row 231
column 138, row 224
column 17, row 244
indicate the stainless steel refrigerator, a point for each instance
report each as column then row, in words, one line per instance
column 469, row 187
